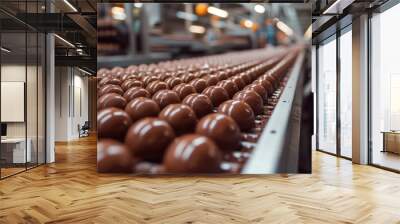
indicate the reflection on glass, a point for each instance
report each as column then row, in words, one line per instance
column 345, row 94
column 327, row 97
column 385, row 84
column 15, row 150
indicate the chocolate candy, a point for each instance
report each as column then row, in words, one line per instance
column 184, row 89
column 111, row 100
column 247, row 79
column 230, row 87
column 216, row 94
column 199, row 84
column 240, row 111
column 166, row 97
column 238, row 81
column 192, row 154
column 251, row 98
column 142, row 107
column 129, row 83
column 200, row 104
column 222, row 129
column 258, row 88
column 113, row 123
column 181, row 117
column 109, row 88
column 136, row 92
column 113, row 157
column 212, row 80
column 266, row 84
column 188, row 77
column 156, row 86
column 110, row 80
column 148, row 138
column 148, row 79
column 173, row 81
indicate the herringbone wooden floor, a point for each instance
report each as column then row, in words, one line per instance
column 70, row 191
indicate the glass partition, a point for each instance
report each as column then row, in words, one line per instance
column 385, row 89
column 327, row 96
column 22, row 89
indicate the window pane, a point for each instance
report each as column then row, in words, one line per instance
column 327, row 97
column 345, row 94
column 385, row 85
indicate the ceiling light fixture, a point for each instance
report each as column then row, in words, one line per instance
column 217, row 12
column 70, row 5
column 118, row 13
column 197, row 29
column 138, row 5
column 65, row 41
column 259, row 8
column 84, row 71
column 5, row 50
column 284, row 28
column 248, row 23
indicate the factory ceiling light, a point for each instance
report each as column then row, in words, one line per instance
column 217, row 12
column 259, row 8
column 65, row 41
column 138, row 5
column 284, row 28
column 5, row 50
column 70, row 5
column 197, row 29
column 118, row 13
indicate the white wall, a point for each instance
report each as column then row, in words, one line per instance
column 70, row 83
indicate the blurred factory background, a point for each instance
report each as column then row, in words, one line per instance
column 145, row 33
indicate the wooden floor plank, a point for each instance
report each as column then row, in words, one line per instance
column 71, row 191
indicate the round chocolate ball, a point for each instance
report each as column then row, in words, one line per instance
column 136, row 92
column 217, row 94
column 184, row 89
column 258, row 88
column 230, row 87
column 200, row 104
column 148, row 79
column 166, row 97
column 181, row 117
column 173, row 81
column 238, row 81
column 222, row 76
column 222, row 129
column 188, row 77
column 156, row 86
column 252, row 98
column 148, row 138
column 212, row 80
column 109, row 80
column 240, row 111
column 141, row 107
column 113, row 157
column 129, row 83
column 110, row 88
column 113, row 123
column 247, row 79
column 192, row 154
column 266, row 84
column 111, row 100
column 128, row 76
column 199, row 84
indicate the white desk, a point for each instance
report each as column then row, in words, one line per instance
column 17, row 147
